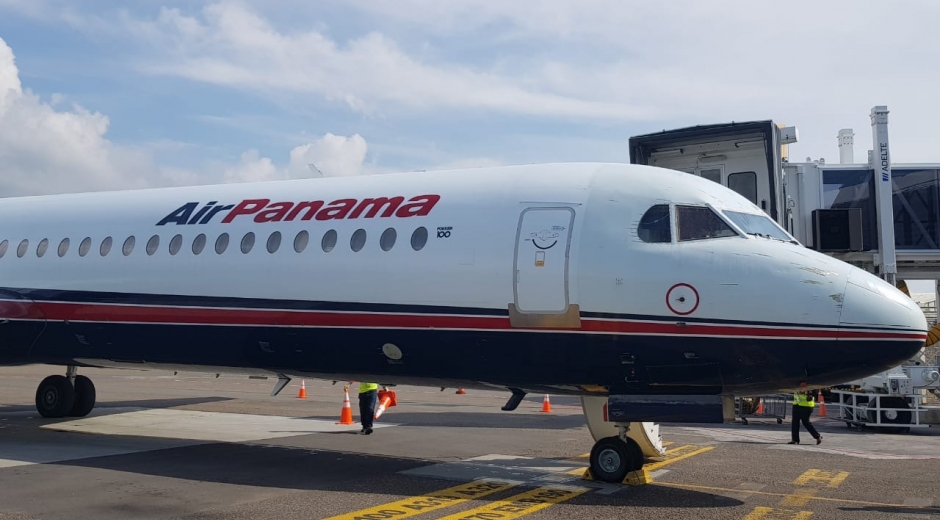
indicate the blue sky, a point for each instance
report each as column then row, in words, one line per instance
column 151, row 93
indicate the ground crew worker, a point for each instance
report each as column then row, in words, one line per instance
column 368, row 395
column 803, row 405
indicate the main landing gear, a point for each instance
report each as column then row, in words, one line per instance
column 70, row 395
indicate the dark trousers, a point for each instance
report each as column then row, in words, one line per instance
column 367, row 402
column 801, row 414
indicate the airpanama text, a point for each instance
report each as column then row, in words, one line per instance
column 266, row 211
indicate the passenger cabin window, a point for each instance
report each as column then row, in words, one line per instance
column 329, row 241
column 358, row 240
column 221, row 243
column 274, row 242
column 387, row 241
column 301, row 241
column 419, row 238
column 699, row 223
column 129, row 245
column 63, row 247
column 199, row 243
column 3, row 247
column 153, row 244
column 105, row 246
column 84, row 247
column 744, row 183
column 42, row 247
column 248, row 242
column 21, row 249
column 655, row 226
column 176, row 243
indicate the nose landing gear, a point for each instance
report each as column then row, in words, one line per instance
column 613, row 457
column 70, row 395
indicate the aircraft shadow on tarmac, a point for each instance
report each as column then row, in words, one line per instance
column 304, row 469
column 112, row 407
column 478, row 420
column 909, row 511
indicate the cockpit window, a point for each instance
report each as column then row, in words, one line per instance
column 699, row 223
column 757, row 225
column 655, row 225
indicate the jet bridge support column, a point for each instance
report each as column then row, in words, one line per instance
column 880, row 160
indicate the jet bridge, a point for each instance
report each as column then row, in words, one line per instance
column 880, row 216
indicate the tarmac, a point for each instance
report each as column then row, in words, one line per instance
column 196, row 446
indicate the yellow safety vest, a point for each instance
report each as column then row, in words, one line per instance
column 804, row 400
column 366, row 387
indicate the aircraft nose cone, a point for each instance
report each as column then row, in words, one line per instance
column 869, row 301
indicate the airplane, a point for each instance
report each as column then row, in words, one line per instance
column 651, row 291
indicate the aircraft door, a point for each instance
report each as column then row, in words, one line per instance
column 543, row 240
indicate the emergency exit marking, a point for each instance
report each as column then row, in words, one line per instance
column 829, row 478
column 769, row 513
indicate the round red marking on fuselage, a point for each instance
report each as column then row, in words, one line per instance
column 682, row 292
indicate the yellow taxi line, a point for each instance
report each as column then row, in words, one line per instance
column 427, row 502
column 520, row 505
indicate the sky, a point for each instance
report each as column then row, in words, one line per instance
column 101, row 95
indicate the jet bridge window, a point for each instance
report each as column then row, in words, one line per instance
column 699, row 223
column 745, row 183
column 655, row 225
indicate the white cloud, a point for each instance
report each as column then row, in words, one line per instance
column 253, row 169
column 234, row 46
column 44, row 150
column 332, row 155
column 651, row 65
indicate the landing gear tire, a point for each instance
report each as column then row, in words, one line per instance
column 84, row 397
column 55, row 397
column 612, row 459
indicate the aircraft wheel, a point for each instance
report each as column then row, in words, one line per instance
column 84, row 397
column 637, row 454
column 611, row 460
column 55, row 397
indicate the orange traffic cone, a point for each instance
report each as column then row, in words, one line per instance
column 461, row 391
column 386, row 400
column 546, row 405
column 822, row 405
column 760, row 407
column 303, row 390
column 345, row 417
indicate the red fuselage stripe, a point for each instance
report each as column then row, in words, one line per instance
column 105, row 313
